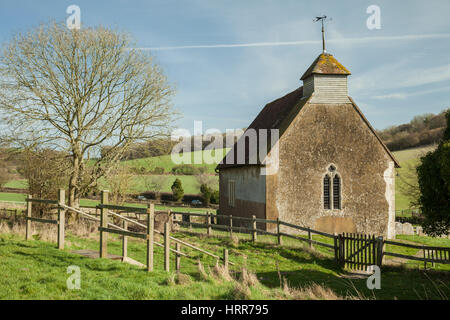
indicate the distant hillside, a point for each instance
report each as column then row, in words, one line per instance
column 423, row 130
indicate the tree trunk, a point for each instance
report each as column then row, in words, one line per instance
column 74, row 194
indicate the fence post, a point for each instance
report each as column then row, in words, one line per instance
column 189, row 220
column 104, row 224
column 225, row 258
column 125, row 241
column 166, row 247
column 169, row 217
column 231, row 226
column 280, row 240
column 424, row 259
column 336, row 249
column 178, row 257
column 61, row 218
column 341, row 251
column 28, row 227
column 309, row 237
column 254, row 233
column 208, row 223
column 150, row 235
column 379, row 251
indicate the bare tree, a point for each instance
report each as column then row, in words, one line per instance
column 155, row 183
column 7, row 167
column 5, row 175
column 79, row 91
column 120, row 183
column 206, row 179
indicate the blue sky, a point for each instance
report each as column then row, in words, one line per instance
column 398, row 71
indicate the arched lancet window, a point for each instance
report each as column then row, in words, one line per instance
column 336, row 192
column 326, row 192
column 332, row 189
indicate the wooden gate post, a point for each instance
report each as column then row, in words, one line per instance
column 379, row 251
column 208, row 224
column 61, row 218
column 280, row 240
column 341, row 251
column 166, row 247
column 125, row 242
column 150, row 235
column 336, row 248
column 28, row 227
column 177, row 257
column 254, row 233
column 104, row 224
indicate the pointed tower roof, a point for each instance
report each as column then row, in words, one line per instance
column 325, row 64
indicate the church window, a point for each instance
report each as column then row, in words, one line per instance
column 326, row 192
column 336, row 192
column 231, row 193
column 332, row 189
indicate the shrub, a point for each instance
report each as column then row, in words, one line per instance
column 215, row 197
column 158, row 170
column 184, row 169
column 177, row 190
column 434, row 182
column 206, row 192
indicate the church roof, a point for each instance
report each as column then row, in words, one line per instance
column 325, row 64
column 272, row 116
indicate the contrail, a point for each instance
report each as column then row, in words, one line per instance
column 411, row 37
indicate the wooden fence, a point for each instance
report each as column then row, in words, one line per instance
column 353, row 251
column 431, row 254
column 108, row 227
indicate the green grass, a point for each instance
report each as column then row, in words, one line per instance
column 405, row 158
column 17, row 184
column 167, row 163
column 189, row 183
column 16, row 197
column 37, row 270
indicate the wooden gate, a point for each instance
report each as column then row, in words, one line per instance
column 358, row 251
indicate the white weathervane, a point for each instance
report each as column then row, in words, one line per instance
column 322, row 19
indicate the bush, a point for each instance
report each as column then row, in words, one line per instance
column 184, row 169
column 158, row 170
column 206, row 192
column 434, row 183
column 215, row 197
column 177, row 190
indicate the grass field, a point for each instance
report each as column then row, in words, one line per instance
column 36, row 270
column 167, row 163
column 408, row 160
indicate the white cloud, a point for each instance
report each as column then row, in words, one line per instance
column 353, row 41
column 404, row 95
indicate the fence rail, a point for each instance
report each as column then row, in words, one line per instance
column 431, row 254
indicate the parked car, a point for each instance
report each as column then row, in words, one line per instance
column 141, row 198
column 196, row 203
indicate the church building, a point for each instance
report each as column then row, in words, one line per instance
column 330, row 170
